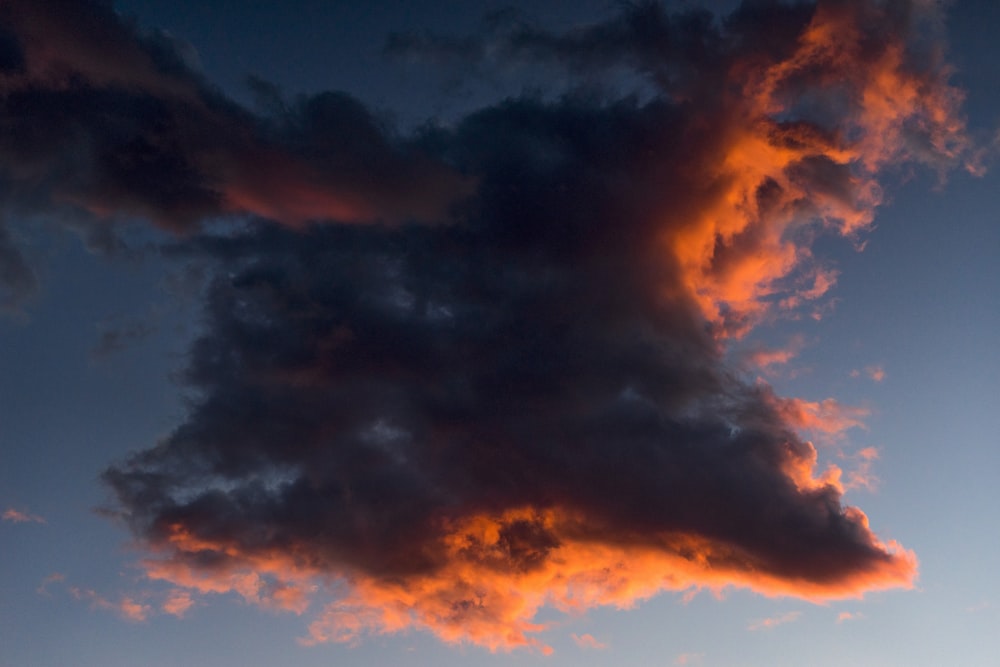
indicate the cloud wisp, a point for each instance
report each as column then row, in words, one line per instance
column 18, row 516
column 508, row 390
column 774, row 621
column 588, row 641
column 126, row 607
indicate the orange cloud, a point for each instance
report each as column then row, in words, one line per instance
column 487, row 594
column 688, row 658
column 774, row 176
column 764, row 358
column 178, row 603
column 273, row 581
column 17, row 516
column 132, row 610
column 54, row 578
column 875, row 373
column 828, row 416
column 588, row 641
column 767, row 358
column 861, row 476
column 768, row 623
column 126, row 607
column 849, row 616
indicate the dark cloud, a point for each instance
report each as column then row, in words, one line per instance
column 676, row 52
column 114, row 123
column 527, row 405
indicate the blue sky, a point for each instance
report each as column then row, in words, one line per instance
column 98, row 359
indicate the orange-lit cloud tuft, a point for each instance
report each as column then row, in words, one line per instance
column 178, row 603
column 588, row 641
column 126, row 607
column 875, row 373
column 775, row 173
column 861, row 475
column 54, row 578
column 17, row 516
column 774, row 621
column 767, row 358
column 489, row 590
column 828, row 416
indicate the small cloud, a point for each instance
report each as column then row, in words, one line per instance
column 822, row 280
column 774, row 621
column 588, row 641
column 178, row 602
column 861, row 476
column 132, row 610
column 978, row 607
column 54, row 578
column 875, row 373
column 766, row 358
column 868, row 454
column 125, row 607
column 828, row 417
column 17, row 516
column 689, row 658
column 849, row 616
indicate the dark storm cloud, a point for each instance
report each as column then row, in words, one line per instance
column 110, row 121
column 528, row 406
column 673, row 51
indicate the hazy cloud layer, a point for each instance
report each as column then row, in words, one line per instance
column 449, row 426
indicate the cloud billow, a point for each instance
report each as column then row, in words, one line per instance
column 105, row 122
column 452, row 425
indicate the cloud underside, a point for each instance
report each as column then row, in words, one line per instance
column 503, row 386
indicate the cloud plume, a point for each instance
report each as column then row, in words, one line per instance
column 18, row 516
column 450, row 427
column 104, row 121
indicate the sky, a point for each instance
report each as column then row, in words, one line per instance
column 565, row 333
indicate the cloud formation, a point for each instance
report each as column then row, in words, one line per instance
column 774, row 621
column 178, row 603
column 104, row 121
column 876, row 373
column 452, row 426
column 588, row 641
column 126, row 607
column 18, row 516
column 54, row 578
